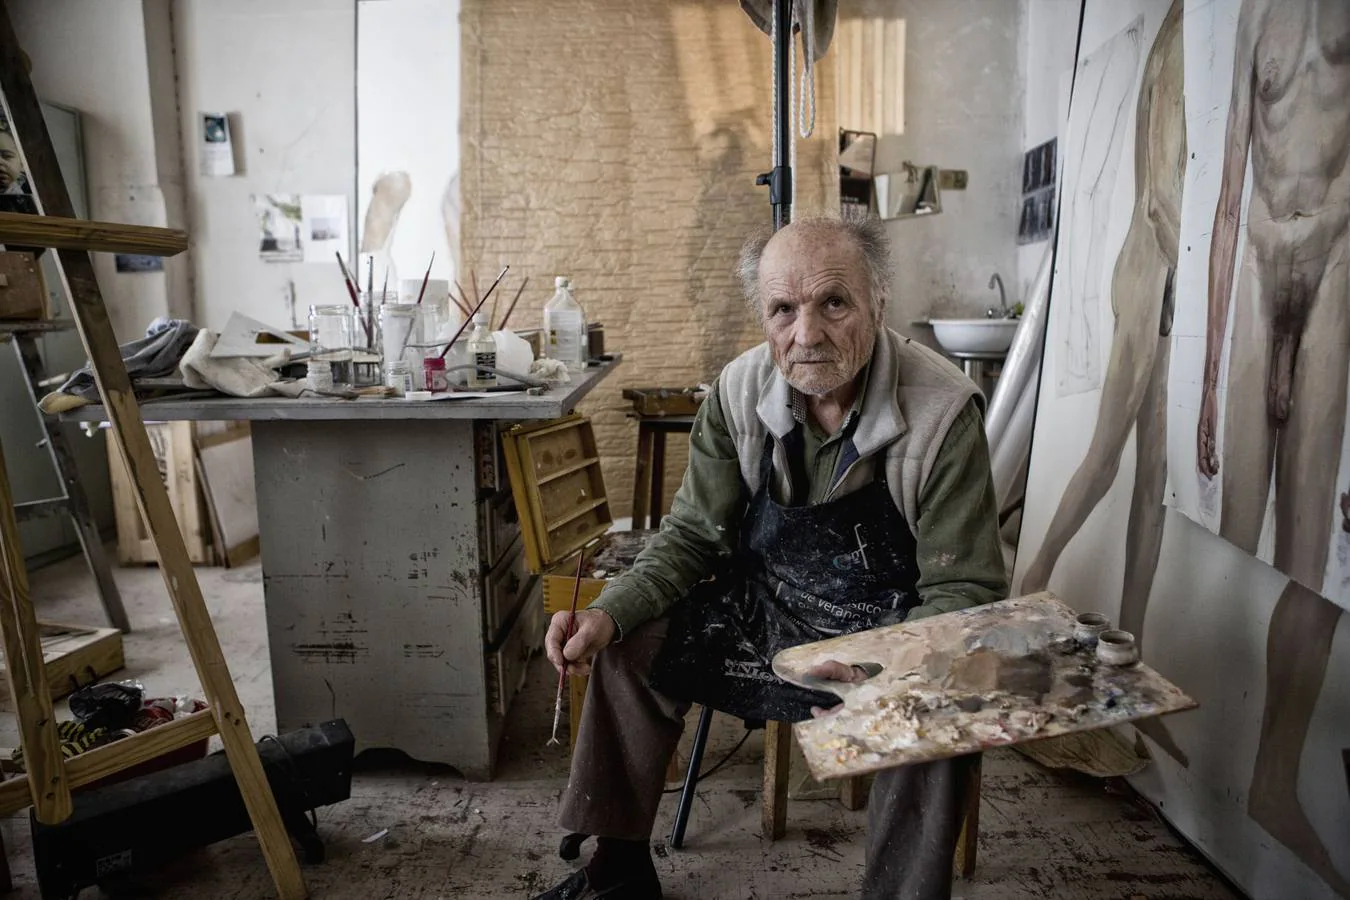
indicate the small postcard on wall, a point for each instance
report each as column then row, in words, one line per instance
column 279, row 227
column 134, row 262
column 324, row 226
column 217, row 147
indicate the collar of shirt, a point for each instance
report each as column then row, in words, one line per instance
column 797, row 402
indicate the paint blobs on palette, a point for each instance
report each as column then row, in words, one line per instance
column 960, row 683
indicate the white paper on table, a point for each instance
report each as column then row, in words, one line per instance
column 465, row 395
column 324, row 220
column 217, row 146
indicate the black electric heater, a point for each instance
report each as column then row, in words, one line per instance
column 123, row 830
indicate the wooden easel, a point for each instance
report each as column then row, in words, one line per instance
column 49, row 782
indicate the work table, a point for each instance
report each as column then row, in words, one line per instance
column 557, row 400
column 396, row 589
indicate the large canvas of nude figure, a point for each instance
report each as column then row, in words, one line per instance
column 1258, row 452
column 1254, row 776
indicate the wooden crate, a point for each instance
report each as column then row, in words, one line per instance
column 175, row 453
column 74, row 656
column 563, row 506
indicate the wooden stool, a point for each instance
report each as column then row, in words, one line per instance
column 773, row 808
column 649, row 480
column 964, row 862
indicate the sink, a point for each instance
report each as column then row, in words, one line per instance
column 982, row 336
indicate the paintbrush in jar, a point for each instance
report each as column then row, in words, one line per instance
column 425, row 278
column 473, row 313
column 509, row 309
column 571, row 630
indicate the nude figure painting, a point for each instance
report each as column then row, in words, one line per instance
column 1223, row 394
column 1263, row 459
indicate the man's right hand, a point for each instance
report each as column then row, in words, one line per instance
column 594, row 631
column 1207, row 432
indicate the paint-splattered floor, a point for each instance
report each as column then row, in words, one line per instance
column 1043, row 836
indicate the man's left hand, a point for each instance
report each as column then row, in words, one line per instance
column 833, row 670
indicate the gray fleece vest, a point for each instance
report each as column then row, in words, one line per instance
column 913, row 396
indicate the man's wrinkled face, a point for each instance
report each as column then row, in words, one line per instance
column 817, row 309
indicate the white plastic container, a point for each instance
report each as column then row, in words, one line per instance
column 565, row 337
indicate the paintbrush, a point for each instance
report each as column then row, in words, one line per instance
column 426, row 278
column 347, row 279
column 370, row 302
column 571, row 630
column 473, row 313
column 511, row 307
column 473, row 283
column 460, row 299
column 352, row 292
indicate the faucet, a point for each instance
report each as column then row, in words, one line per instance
column 1002, row 298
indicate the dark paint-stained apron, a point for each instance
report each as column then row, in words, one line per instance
column 803, row 573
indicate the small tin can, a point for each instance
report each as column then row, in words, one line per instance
column 1087, row 627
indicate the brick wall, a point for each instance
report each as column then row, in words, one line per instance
column 617, row 143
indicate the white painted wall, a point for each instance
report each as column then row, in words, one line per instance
column 113, row 94
column 288, row 70
column 963, row 110
column 1049, row 38
column 407, row 100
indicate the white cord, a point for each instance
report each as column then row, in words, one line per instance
column 806, row 120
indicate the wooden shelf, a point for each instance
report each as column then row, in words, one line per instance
column 57, row 232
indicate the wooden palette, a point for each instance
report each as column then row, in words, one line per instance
column 1004, row 673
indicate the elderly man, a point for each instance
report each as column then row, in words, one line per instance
column 838, row 480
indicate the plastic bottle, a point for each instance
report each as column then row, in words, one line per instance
column 565, row 328
column 482, row 352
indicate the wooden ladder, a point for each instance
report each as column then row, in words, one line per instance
column 49, row 780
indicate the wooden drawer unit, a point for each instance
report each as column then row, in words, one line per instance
column 488, row 463
column 504, row 588
column 508, row 663
column 498, row 526
column 560, row 496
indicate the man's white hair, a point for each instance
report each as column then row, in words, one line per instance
column 869, row 235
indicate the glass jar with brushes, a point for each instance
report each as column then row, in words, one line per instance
column 330, row 346
column 366, row 350
column 398, row 322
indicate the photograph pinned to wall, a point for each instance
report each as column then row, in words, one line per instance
column 324, row 219
column 16, row 193
column 217, row 145
column 1037, row 221
column 136, row 262
column 280, row 227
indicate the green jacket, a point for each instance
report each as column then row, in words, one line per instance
column 917, row 415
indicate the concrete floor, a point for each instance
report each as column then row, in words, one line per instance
column 417, row 831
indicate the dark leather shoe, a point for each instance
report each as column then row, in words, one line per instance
column 578, row 887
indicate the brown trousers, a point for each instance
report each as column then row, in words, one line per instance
column 629, row 731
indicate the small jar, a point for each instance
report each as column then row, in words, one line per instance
column 398, row 375
column 319, row 375
column 1117, row 648
column 1088, row 627
column 433, row 367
